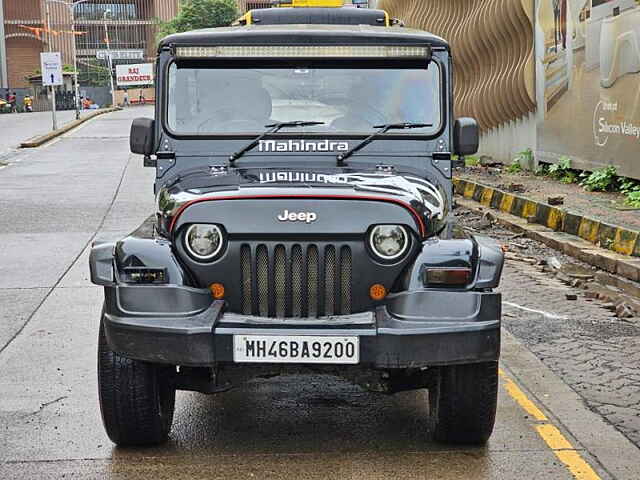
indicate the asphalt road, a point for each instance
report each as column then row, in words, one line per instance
column 57, row 198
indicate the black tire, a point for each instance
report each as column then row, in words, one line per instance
column 463, row 403
column 136, row 400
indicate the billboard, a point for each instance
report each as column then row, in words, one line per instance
column 135, row 74
column 588, row 83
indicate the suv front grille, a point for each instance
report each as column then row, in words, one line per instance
column 298, row 280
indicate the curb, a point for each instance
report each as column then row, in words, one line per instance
column 42, row 139
column 606, row 445
column 573, row 234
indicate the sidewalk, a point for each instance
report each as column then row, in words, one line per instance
column 17, row 127
column 602, row 206
column 588, row 226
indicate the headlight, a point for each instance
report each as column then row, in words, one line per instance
column 203, row 241
column 389, row 241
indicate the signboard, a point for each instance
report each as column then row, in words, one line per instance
column 51, row 68
column 135, row 74
column 130, row 54
column 588, row 107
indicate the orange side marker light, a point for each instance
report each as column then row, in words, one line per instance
column 377, row 292
column 217, row 290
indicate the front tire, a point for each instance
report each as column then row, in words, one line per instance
column 463, row 402
column 136, row 398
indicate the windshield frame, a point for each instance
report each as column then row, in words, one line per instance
column 329, row 63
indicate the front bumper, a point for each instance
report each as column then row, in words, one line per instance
column 413, row 329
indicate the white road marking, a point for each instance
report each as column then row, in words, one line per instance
column 551, row 316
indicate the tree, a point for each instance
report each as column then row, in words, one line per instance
column 195, row 14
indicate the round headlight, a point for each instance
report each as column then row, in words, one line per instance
column 203, row 241
column 389, row 241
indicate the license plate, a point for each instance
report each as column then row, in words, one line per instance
column 295, row 349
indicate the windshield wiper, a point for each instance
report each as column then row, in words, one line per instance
column 273, row 128
column 341, row 157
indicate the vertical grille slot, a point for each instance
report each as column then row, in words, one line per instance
column 312, row 281
column 280, row 280
column 295, row 280
column 329, row 280
column 345, row 280
column 246, row 279
column 262, row 274
column 297, row 273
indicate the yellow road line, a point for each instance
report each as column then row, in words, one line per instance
column 551, row 435
column 522, row 400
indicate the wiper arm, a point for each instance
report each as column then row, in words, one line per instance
column 341, row 157
column 273, row 128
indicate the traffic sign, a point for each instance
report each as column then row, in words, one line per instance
column 51, row 68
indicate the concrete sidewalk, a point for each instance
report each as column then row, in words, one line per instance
column 607, row 207
column 17, row 127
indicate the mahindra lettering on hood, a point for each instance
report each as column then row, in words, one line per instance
column 303, row 193
column 302, row 146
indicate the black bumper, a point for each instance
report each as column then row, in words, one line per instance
column 414, row 329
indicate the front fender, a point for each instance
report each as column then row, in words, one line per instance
column 479, row 253
column 141, row 249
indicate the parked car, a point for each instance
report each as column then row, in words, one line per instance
column 303, row 185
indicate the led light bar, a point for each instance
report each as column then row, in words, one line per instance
column 306, row 51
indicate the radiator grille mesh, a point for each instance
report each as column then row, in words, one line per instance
column 296, row 280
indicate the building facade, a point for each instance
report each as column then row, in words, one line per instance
column 131, row 27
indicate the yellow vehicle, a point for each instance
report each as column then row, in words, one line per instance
column 4, row 106
column 314, row 12
column 310, row 3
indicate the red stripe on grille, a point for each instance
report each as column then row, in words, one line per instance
column 419, row 221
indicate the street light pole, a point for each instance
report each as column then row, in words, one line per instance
column 53, row 90
column 106, row 34
column 76, row 98
column 71, row 6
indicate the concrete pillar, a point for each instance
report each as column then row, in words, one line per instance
column 4, row 81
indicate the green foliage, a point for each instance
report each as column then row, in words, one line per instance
column 93, row 73
column 560, row 169
column 541, row 171
column 569, row 177
column 628, row 185
column 195, row 14
column 525, row 158
column 600, row 180
column 633, row 199
column 514, row 167
column 471, row 161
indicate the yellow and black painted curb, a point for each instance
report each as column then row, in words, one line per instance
column 604, row 235
column 42, row 139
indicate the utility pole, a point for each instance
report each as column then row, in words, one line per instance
column 71, row 5
column 4, row 81
column 53, row 90
column 76, row 98
column 106, row 38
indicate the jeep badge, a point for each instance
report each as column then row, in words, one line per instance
column 287, row 216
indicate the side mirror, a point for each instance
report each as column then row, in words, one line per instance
column 142, row 136
column 466, row 136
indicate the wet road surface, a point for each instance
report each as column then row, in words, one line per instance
column 56, row 199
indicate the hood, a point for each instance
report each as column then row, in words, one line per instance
column 422, row 197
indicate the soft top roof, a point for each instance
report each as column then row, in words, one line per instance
column 303, row 34
column 326, row 16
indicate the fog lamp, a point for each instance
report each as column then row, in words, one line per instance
column 143, row 275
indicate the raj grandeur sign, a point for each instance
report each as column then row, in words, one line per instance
column 136, row 74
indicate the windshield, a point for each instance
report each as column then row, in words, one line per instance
column 209, row 101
